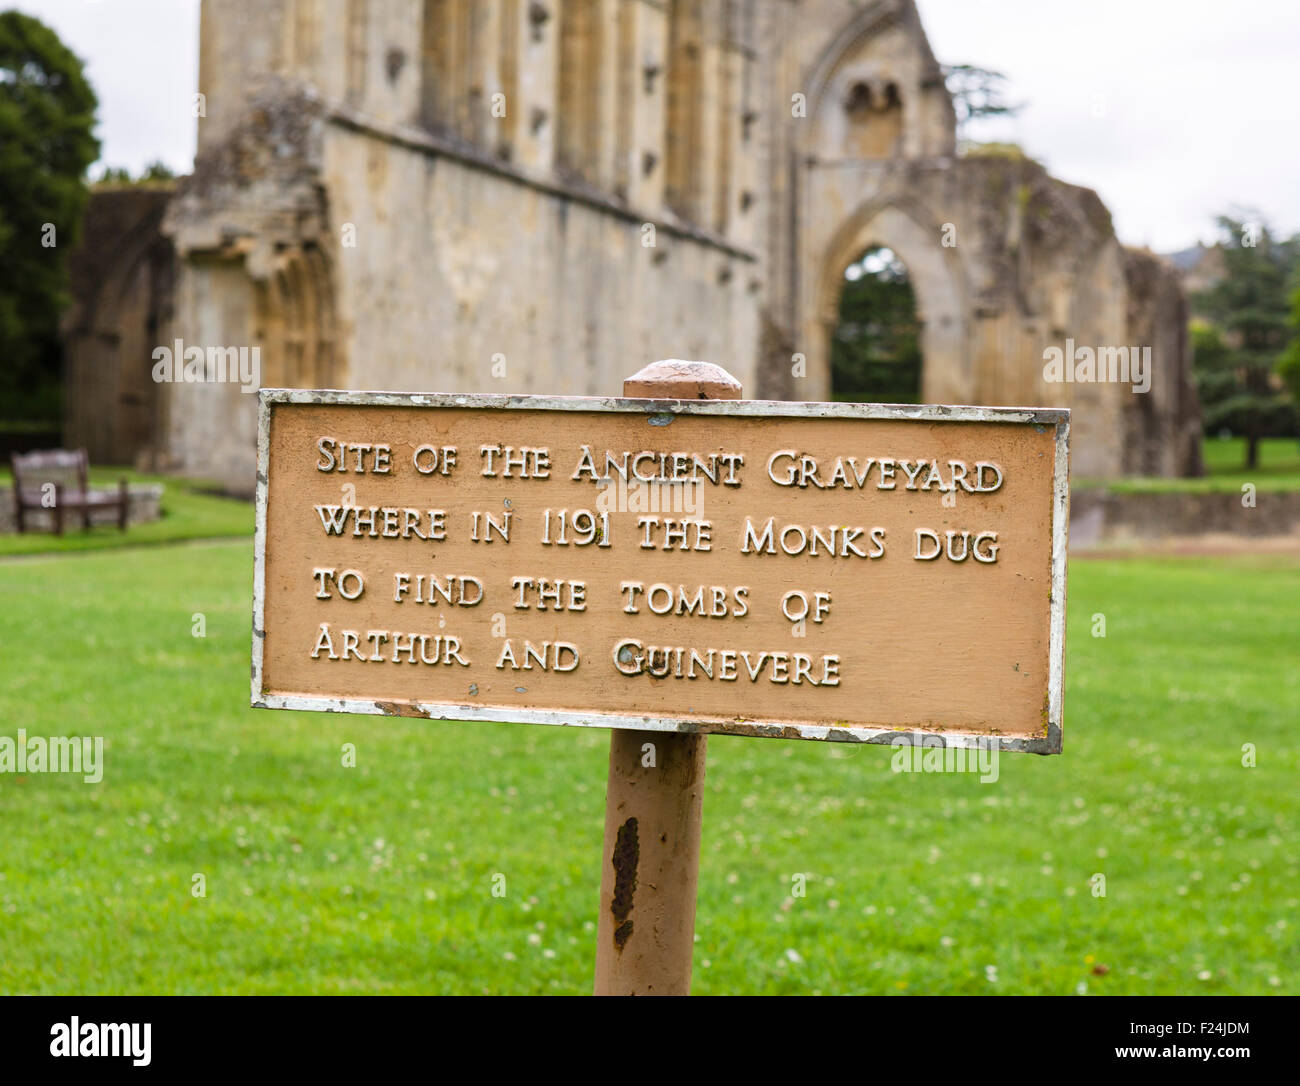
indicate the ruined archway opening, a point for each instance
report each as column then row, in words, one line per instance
column 876, row 344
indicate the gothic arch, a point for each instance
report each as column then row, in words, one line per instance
column 865, row 23
column 924, row 119
column 937, row 277
column 123, row 312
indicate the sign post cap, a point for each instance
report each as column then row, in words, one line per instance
column 678, row 379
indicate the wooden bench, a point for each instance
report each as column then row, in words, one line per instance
column 57, row 481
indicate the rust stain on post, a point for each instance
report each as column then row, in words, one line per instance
column 627, row 852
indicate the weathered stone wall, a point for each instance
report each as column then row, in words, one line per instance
column 251, row 231
column 814, row 55
column 1005, row 260
column 460, row 250
column 212, row 426
column 1162, row 428
column 466, row 280
column 1032, row 261
column 121, row 281
column 500, row 196
column 1098, row 517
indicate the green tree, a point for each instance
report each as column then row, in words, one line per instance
column 1234, row 361
column 876, row 348
column 1216, row 377
column 119, row 175
column 1288, row 366
column 977, row 92
column 47, row 117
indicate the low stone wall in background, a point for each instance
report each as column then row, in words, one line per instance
column 145, row 505
column 1099, row 516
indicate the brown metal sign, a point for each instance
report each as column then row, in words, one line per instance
column 802, row 570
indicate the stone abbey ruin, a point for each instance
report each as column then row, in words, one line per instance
column 538, row 196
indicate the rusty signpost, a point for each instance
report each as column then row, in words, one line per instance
column 668, row 564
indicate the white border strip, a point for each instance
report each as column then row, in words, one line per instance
column 744, row 408
column 1049, row 743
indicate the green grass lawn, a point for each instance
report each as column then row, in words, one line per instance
column 190, row 510
column 378, row 878
column 1279, row 469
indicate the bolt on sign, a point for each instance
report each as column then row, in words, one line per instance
column 799, row 570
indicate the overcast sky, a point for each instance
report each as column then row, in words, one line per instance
column 1173, row 110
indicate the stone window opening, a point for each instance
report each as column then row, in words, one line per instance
column 444, row 65
column 577, row 119
column 875, row 114
column 684, row 138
